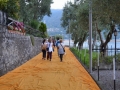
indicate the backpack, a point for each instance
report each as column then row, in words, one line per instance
column 57, row 43
column 43, row 47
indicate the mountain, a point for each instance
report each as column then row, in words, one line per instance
column 54, row 23
column 54, row 20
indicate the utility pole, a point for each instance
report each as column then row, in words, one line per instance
column 90, row 35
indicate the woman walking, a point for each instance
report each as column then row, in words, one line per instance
column 61, row 50
column 44, row 45
column 50, row 49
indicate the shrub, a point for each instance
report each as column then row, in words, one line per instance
column 34, row 24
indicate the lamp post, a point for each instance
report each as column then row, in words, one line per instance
column 69, row 30
column 115, row 34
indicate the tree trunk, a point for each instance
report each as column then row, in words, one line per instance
column 81, row 41
column 108, row 38
column 93, row 44
column 94, row 39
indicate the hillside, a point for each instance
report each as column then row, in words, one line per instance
column 53, row 23
column 54, row 20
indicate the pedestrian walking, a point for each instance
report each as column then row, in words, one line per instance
column 61, row 50
column 50, row 49
column 57, row 42
column 44, row 46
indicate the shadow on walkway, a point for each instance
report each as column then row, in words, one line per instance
column 38, row 74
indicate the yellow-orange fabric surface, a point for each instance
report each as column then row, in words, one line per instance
column 38, row 74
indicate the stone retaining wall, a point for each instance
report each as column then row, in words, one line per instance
column 15, row 49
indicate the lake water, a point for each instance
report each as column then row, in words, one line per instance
column 111, row 44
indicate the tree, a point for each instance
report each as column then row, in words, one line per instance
column 32, row 12
column 36, row 9
column 107, row 14
column 105, row 17
column 34, row 24
column 3, row 5
column 43, row 29
column 12, row 9
column 77, row 17
column 24, row 12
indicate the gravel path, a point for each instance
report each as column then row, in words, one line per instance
column 106, row 81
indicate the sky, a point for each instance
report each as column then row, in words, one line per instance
column 59, row 4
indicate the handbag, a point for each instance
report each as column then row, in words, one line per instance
column 62, row 47
column 43, row 47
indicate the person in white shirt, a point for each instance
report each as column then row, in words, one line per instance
column 50, row 49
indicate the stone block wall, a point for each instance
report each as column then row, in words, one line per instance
column 15, row 49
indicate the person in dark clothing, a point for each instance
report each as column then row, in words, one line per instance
column 57, row 42
column 44, row 46
column 61, row 50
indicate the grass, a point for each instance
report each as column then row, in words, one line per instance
column 84, row 58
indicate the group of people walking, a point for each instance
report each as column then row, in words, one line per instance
column 48, row 46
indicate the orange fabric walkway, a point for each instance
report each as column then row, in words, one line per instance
column 38, row 74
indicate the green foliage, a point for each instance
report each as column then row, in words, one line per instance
column 24, row 13
column 94, row 58
column 77, row 16
column 118, row 57
column 12, row 9
column 3, row 4
column 42, row 27
column 80, row 54
column 34, row 9
column 75, row 19
column 106, row 60
column 58, row 36
column 34, row 24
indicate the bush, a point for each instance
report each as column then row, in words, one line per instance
column 108, row 60
column 118, row 57
column 34, row 24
